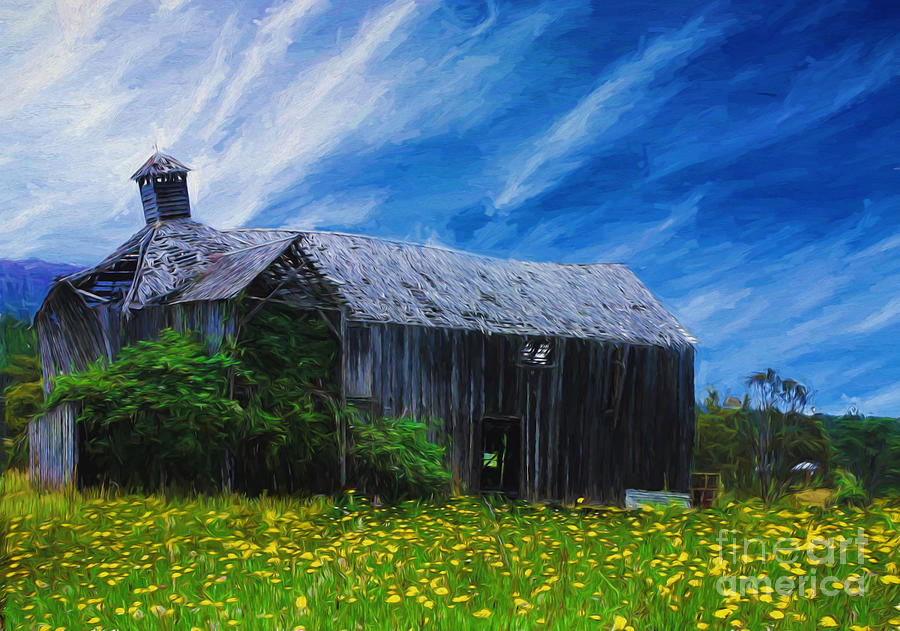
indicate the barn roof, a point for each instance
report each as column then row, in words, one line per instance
column 377, row 280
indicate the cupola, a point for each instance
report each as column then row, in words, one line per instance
column 162, row 181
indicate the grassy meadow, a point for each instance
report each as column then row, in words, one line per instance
column 97, row 560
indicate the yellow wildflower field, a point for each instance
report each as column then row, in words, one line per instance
column 98, row 560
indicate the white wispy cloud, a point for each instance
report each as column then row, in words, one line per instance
column 346, row 208
column 214, row 72
column 886, row 315
column 217, row 90
column 599, row 116
column 275, row 33
column 304, row 122
column 54, row 57
column 821, row 90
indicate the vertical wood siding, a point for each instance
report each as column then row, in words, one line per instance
column 602, row 418
column 72, row 335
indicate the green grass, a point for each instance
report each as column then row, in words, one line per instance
column 100, row 561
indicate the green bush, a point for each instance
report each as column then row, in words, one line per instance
column 20, row 386
column 261, row 415
column 392, row 458
column 742, row 443
column 288, row 389
column 869, row 448
column 23, row 400
column 160, row 413
column 848, row 490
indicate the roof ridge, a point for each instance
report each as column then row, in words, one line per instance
column 440, row 248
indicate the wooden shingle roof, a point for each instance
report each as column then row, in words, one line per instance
column 378, row 280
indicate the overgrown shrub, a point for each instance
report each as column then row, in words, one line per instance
column 159, row 413
column 261, row 415
column 848, row 490
column 392, row 458
column 869, row 448
column 288, row 389
column 20, row 387
column 23, row 399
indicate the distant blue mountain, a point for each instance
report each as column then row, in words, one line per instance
column 23, row 284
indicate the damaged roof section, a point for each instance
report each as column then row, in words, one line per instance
column 377, row 280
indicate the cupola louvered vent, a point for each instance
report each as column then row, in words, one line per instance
column 162, row 181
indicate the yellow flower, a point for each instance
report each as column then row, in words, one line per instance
column 777, row 615
column 722, row 613
column 300, row 602
column 619, row 623
column 828, row 621
column 394, row 598
column 890, row 579
column 441, row 591
column 93, row 620
column 482, row 613
column 461, row 599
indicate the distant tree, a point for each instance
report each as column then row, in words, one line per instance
column 17, row 337
column 720, row 446
column 21, row 391
column 23, row 399
column 869, row 448
column 780, row 434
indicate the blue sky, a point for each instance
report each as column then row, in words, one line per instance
column 740, row 157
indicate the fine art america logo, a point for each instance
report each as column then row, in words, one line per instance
column 822, row 554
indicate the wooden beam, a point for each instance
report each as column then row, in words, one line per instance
column 342, row 430
column 330, row 323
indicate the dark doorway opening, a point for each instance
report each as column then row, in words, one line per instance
column 501, row 442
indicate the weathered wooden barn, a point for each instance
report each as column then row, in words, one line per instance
column 550, row 381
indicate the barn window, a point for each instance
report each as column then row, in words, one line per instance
column 537, row 353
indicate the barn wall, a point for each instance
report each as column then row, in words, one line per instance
column 72, row 335
column 602, row 418
column 627, row 421
column 430, row 374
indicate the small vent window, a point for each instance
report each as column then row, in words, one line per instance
column 537, row 353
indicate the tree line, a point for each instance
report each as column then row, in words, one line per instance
column 771, row 444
